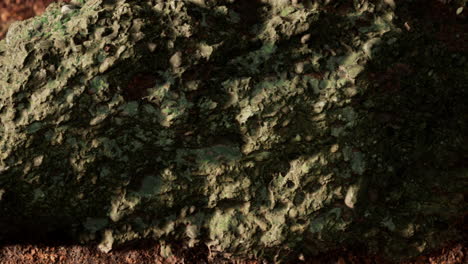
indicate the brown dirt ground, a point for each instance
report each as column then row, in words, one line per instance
column 55, row 252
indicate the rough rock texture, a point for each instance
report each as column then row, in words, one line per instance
column 258, row 128
column 12, row 10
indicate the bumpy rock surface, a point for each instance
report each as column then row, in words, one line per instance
column 12, row 10
column 258, row 128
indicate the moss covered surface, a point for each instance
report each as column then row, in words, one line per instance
column 257, row 128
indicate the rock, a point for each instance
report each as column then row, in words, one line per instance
column 130, row 120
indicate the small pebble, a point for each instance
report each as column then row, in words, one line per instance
column 66, row 9
column 305, row 38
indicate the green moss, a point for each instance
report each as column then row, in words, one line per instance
column 304, row 132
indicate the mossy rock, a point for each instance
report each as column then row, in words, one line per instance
column 251, row 127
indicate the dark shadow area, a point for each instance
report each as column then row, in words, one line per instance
column 51, row 231
column 415, row 104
